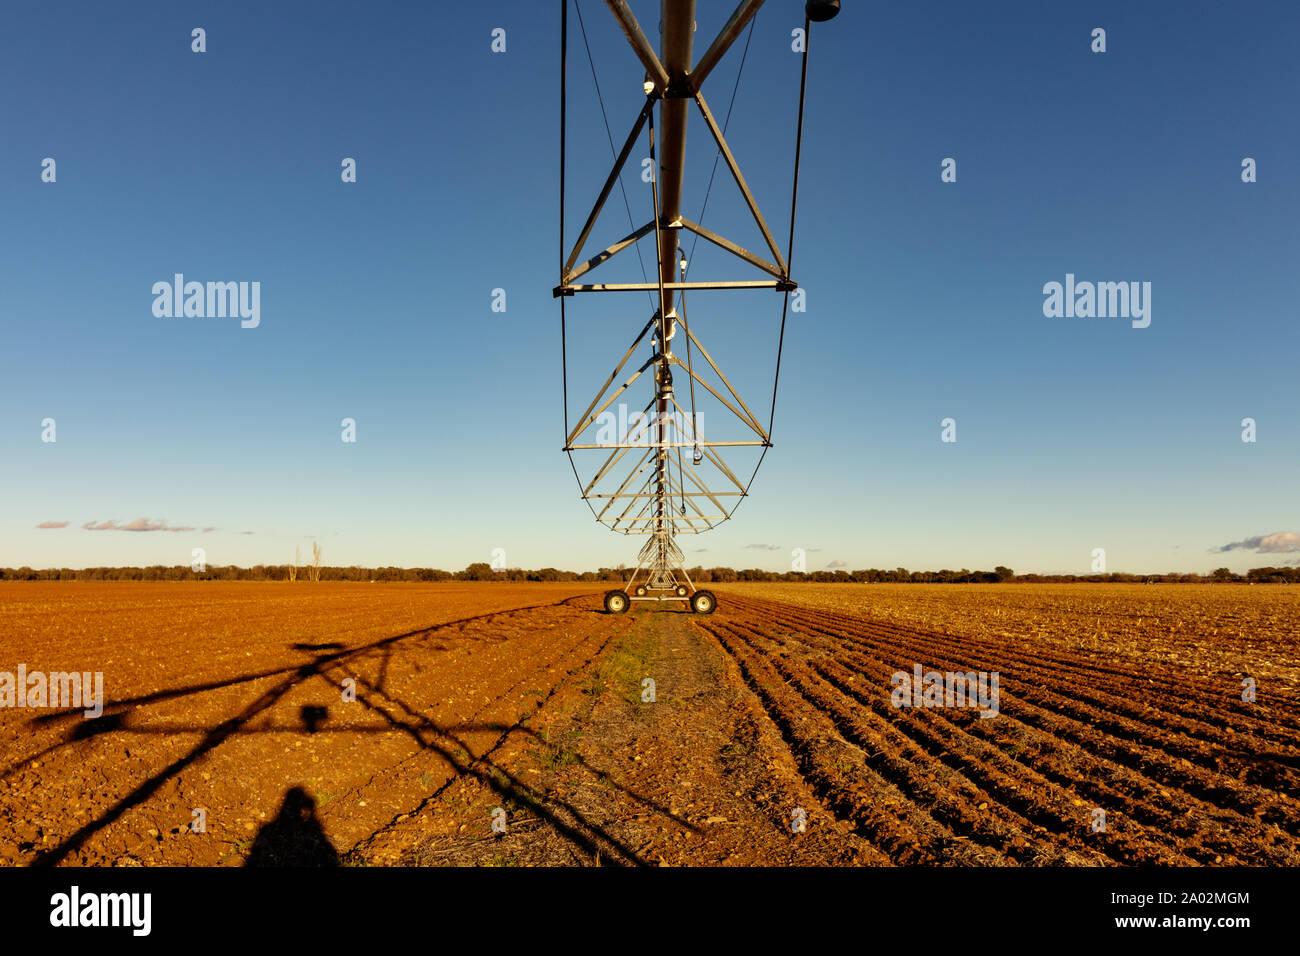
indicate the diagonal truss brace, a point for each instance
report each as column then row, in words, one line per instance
column 777, row 268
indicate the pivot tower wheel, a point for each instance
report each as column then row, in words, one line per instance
column 616, row 602
column 703, row 602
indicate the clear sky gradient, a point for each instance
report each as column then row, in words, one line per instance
column 924, row 298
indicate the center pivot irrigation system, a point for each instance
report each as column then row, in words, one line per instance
column 645, row 485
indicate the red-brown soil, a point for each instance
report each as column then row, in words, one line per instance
column 528, row 699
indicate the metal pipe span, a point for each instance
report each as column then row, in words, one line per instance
column 677, row 36
column 677, row 32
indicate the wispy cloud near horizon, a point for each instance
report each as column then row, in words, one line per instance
column 139, row 524
column 1279, row 542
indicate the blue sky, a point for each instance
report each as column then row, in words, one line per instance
column 924, row 298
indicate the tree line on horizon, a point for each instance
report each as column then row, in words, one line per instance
column 482, row 571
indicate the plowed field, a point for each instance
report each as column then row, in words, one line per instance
column 391, row 724
column 1185, row 770
column 229, row 699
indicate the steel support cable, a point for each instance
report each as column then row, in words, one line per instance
column 564, row 37
column 681, row 476
column 789, row 256
column 613, row 152
column 726, row 122
column 690, row 374
column 564, row 341
column 690, row 367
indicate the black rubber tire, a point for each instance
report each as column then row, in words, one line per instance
column 616, row 602
column 682, row 590
column 703, row 602
column 640, row 590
